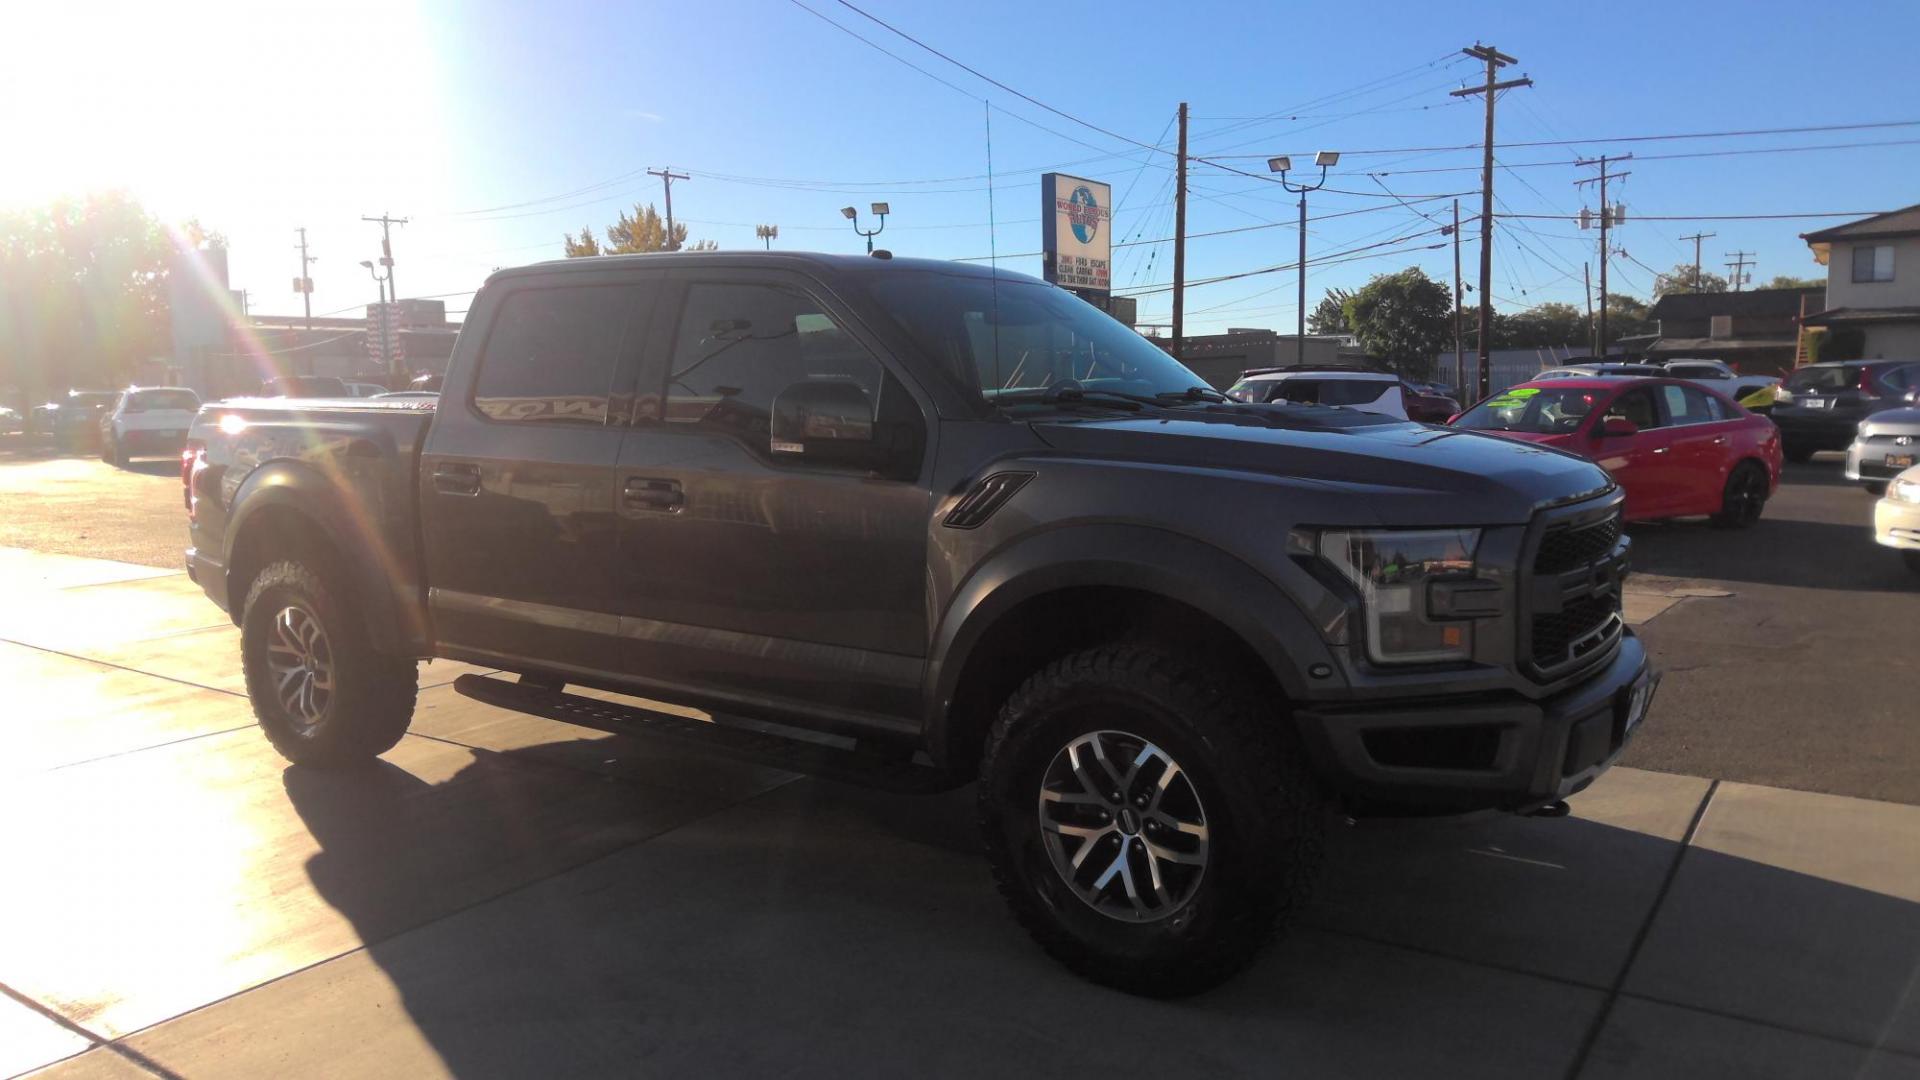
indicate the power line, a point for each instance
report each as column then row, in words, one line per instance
column 1629, row 138
column 1709, row 217
column 1653, row 157
column 1167, row 286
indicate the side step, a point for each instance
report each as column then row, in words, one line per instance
column 793, row 755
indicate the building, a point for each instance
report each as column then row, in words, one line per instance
column 1220, row 358
column 1872, row 305
column 259, row 347
column 1755, row 332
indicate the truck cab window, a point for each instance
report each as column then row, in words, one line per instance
column 738, row 346
column 552, row 353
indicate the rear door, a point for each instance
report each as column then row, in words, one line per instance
column 746, row 571
column 517, row 480
column 1641, row 462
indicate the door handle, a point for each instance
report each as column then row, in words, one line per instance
column 456, row 478
column 654, row 494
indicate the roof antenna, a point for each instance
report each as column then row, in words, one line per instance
column 993, row 246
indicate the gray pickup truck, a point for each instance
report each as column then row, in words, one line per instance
column 942, row 525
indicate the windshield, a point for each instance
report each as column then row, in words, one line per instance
column 156, row 400
column 1837, row 377
column 1018, row 337
column 1533, row 410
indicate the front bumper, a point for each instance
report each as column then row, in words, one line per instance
column 1897, row 524
column 1868, row 460
column 1485, row 752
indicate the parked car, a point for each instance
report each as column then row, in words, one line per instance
column 1367, row 391
column 1753, row 392
column 1896, row 517
column 74, row 418
column 1884, row 444
column 1678, row 450
column 305, row 386
column 1049, row 558
column 1820, row 406
column 1427, row 405
column 147, row 421
column 11, row 421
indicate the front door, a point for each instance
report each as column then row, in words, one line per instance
column 748, row 570
column 517, row 479
column 1702, row 448
column 1642, row 463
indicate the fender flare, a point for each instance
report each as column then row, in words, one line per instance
column 303, row 490
column 1150, row 560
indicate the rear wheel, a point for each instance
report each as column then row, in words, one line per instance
column 111, row 453
column 1148, row 818
column 1743, row 498
column 322, row 697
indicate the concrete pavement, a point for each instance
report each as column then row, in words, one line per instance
column 505, row 895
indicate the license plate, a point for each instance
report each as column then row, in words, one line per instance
column 1637, row 704
column 1899, row 461
column 1815, row 403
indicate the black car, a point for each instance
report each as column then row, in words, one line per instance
column 1821, row 405
column 73, row 419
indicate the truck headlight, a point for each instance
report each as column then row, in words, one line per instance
column 1391, row 569
column 1906, row 491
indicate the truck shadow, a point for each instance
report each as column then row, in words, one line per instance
column 823, row 929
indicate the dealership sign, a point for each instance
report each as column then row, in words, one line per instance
column 1076, row 232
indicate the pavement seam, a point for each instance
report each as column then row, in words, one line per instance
column 1825, row 1036
column 119, row 667
column 95, row 1040
column 1640, row 939
column 144, row 749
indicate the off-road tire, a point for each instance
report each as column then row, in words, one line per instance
column 371, row 700
column 1264, row 812
column 1744, row 497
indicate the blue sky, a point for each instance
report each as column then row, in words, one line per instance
column 782, row 118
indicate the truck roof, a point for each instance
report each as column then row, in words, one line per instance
column 789, row 259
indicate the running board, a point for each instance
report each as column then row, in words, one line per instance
column 760, row 748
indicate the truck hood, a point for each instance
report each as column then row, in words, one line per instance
column 1399, row 473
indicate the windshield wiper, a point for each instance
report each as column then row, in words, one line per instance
column 1074, row 394
column 1191, row 393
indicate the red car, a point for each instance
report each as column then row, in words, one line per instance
column 1677, row 448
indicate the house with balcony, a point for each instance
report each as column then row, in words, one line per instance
column 1873, row 287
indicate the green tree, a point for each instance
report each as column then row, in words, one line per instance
column 1541, row 325
column 1680, row 280
column 1402, row 318
column 1788, row 281
column 83, row 291
column 1627, row 316
column 643, row 230
column 1329, row 316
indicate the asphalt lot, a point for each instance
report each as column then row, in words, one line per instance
column 77, row 505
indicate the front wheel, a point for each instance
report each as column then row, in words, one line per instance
column 1150, row 820
column 1743, row 498
column 323, row 698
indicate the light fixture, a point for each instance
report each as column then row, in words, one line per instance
column 1326, row 158
column 849, row 213
column 1279, row 164
column 880, row 208
column 368, row 263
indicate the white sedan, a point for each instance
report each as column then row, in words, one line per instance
column 1896, row 518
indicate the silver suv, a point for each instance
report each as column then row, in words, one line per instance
column 1887, row 444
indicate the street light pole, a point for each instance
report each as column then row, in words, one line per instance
column 1281, row 165
column 386, row 338
column 879, row 209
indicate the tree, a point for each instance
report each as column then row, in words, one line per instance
column 1402, row 318
column 1627, row 316
column 642, row 230
column 1329, row 316
column 1542, row 325
column 1788, row 281
column 1680, row 280
column 83, row 291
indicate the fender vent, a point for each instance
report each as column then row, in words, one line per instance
column 985, row 497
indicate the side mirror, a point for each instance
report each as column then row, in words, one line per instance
column 1616, row 426
column 829, row 421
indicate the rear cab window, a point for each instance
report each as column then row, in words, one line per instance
column 552, row 354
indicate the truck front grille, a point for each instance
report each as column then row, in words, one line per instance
column 1570, row 594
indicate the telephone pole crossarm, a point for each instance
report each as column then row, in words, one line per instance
column 667, row 177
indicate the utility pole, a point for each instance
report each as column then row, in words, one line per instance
column 667, row 177
column 386, row 248
column 1180, row 240
column 1606, row 219
column 304, row 284
column 1741, row 260
column 1495, row 60
column 1459, row 347
column 1696, row 238
column 1586, row 283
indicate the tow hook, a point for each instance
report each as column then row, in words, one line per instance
column 1554, row 809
